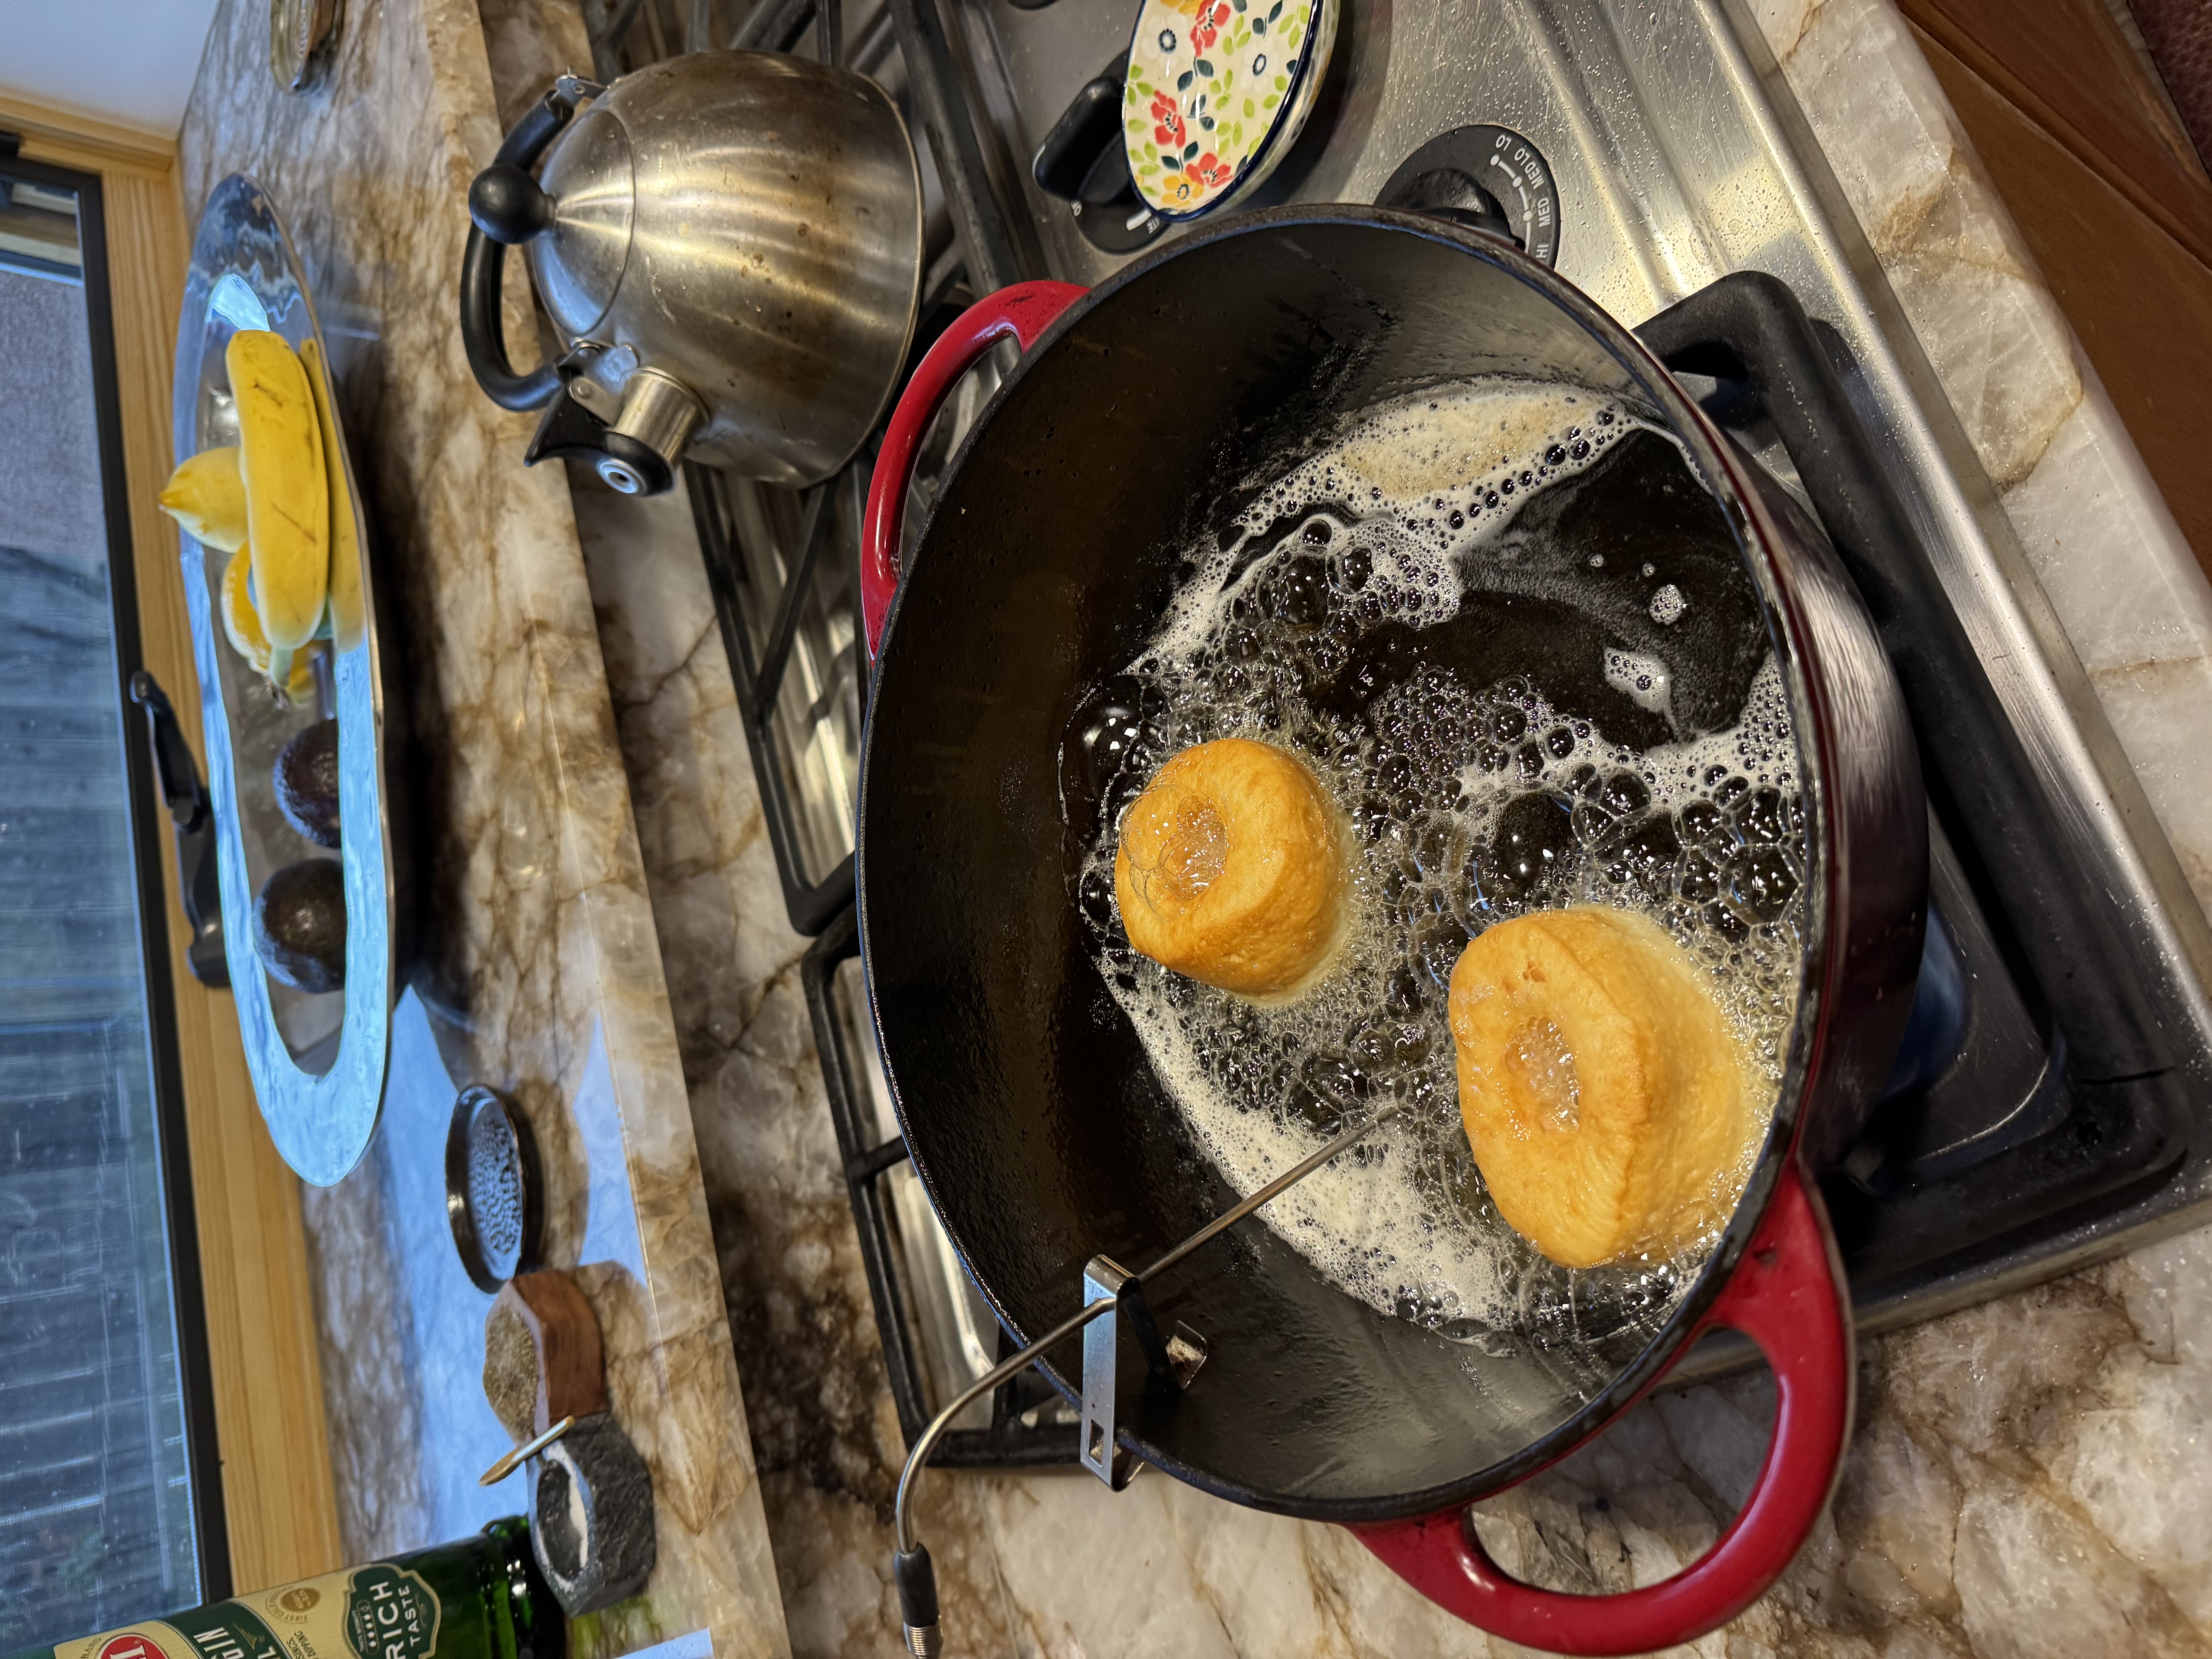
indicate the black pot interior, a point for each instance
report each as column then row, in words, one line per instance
column 1029, row 1104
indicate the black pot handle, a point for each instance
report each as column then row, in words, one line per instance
column 2130, row 1099
column 1082, row 159
column 1750, row 326
column 506, row 206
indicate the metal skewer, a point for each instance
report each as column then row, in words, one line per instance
column 910, row 1566
column 522, row 1454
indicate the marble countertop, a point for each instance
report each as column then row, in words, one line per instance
column 2030, row 1477
column 538, row 970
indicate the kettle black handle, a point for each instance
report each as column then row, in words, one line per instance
column 505, row 205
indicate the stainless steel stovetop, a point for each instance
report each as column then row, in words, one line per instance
column 1675, row 155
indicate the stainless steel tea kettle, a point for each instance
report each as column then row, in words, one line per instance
column 729, row 246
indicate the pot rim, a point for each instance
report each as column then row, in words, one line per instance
column 1766, row 547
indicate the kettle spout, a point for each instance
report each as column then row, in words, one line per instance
column 659, row 414
column 638, row 452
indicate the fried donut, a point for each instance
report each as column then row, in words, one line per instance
column 1230, row 869
column 1610, row 1107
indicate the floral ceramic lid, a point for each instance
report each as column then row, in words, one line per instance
column 1208, row 81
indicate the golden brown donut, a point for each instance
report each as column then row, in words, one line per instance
column 1609, row 1105
column 1230, row 869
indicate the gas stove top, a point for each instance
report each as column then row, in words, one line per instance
column 1647, row 150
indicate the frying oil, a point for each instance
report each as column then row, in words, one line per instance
column 1354, row 617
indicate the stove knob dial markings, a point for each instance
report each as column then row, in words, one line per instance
column 1519, row 177
column 1500, row 164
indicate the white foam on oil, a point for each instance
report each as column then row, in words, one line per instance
column 1425, row 479
column 1644, row 680
column 1704, row 835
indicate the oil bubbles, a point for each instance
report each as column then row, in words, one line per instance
column 1468, row 797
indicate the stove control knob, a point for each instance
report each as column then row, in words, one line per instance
column 1448, row 193
column 1489, row 177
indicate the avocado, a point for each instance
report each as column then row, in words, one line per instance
column 300, row 924
column 307, row 780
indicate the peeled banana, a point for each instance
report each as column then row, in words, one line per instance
column 241, row 625
column 207, row 498
column 288, row 505
column 345, row 605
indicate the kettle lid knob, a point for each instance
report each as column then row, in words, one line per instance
column 507, row 204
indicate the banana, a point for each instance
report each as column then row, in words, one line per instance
column 206, row 496
column 288, row 504
column 345, row 605
column 241, row 625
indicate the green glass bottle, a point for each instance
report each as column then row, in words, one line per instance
column 480, row 1598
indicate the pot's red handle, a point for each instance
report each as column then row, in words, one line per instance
column 1788, row 1296
column 1022, row 311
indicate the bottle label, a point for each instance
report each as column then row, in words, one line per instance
column 375, row 1611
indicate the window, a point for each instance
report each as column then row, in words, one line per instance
column 109, row 1498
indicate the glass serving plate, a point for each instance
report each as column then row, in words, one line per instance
column 316, row 1060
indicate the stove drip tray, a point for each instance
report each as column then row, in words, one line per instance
column 1980, row 1071
column 1982, row 1132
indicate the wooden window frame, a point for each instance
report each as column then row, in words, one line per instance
column 265, row 1379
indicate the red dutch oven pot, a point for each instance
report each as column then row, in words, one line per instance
column 1142, row 413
